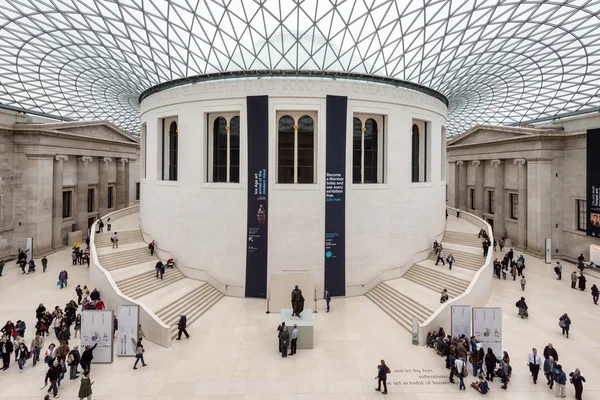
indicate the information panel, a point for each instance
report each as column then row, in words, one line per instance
column 258, row 191
column 487, row 328
column 593, row 182
column 127, row 334
column 460, row 321
column 97, row 329
column 335, row 201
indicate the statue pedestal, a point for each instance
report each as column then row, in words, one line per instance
column 305, row 326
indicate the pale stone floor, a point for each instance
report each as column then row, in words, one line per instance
column 232, row 353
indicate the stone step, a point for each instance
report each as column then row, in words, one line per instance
column 462, row 238
column 436, row 281
column 150, row 284
column 146, row 277
column 197, row 312
column 124, row 259
column 103, row 239
column 404, row 303
column 462, row 259
column 380, row 302
column 181, row 302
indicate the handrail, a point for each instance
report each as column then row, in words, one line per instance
column 477, row 279
column 162, row 338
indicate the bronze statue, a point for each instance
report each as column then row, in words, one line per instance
column 297, row 302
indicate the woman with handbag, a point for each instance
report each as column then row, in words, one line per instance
column 21, row 356
column 139, row 354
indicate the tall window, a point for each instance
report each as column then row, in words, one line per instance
column 420, row 153
column 144, row 149
column 66, row 205
column 296, row 148
column 514, row 205
column 472, row 199
column 90, row 200
column 110, row 197
column 367, row 149
column 137, row 190
column 581, row 215
column 444, row 163
column 490, row 201
column 224, row 148
column 169, row 149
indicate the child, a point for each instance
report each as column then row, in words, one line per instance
column 523, row 282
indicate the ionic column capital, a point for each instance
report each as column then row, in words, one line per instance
column 521, row 161
column 85, row 159
column 459, row 163
column 476, row 163
column 106, row 159
column 59, row 157
column 124, row 160
column 496, row 162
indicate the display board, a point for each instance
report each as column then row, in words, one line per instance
column 487, row 328
column 258, row 192
column 595, row 254
column 97, row 328
column 29, row 248
column 460, row 321
column 127, row 334
column 593, row 183
column 335, row 195
column 548, row 251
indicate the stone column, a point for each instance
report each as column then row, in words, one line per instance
column 452, row 184
column 122, row 183
column 57, row 201
column 82, row 194
column 522, row 222
column 479, row 177
column 462, row 185
column 499, row 213
column 103, row 186
column 539, row 204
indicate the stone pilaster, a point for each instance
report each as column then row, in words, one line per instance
column 122, row 183
column 522, row 222
column 479, row 191
column 103, row 186
column 82, row 194
column 462, row 185
column 539, row 204
column 57, row 201
column 499, row 200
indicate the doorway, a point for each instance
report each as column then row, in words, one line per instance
column 491, row 222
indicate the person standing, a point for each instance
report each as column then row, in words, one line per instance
column 181, row 325
column 37, row 344
column 558, row 270
column 490, row 364
column 513, row 272
column 79, row 293
column 285, row 340
column 485, row 246
column 460, row 367
column 328, row 298
column 450, row 260
column 115, row 326
column 139, row 354
column 160, row 269
column 294, row 340
column 382, row 371
column 21, row 355
column 573, row 279
column 85, row 388
column 561, row 381
column 595, row 294
column 523, row 282
column 565, row 323
column 504, row 375
column 52, row 376
column 549, row 367
column 534, row 364
column 6, row 349
column 582, row 281
column 2, row 264
column 577, row 380
column 86, row 357
column 73, row 362
column 115, row 240
column 77, row 325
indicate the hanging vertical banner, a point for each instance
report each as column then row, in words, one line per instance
column 593, row 183
column 97, row 330
column 127, row 332
column 460, row 321
column 335, row 201
column 258, row 219
column 487, row 328
column 548, row 250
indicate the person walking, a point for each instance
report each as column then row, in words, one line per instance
column 151, row 247
column 523, row 282
column 533, row 361
column 382, row 371
column 139, row 354
column 6, row 349
column 490, row 364
column 284, row 338
column 440, row 256
column 450, row 260
column 558, row 271
column 549, row 367
column 444, row 296
column 160, row 269
column 595, row 294
column 52, row 377
column 565, row 323
column 77, row 326
column 522, row 305
column 181, row 325
column 328, row 298
column 86, row 357
column 85, row 387
column 550, row 351
column 485, row 244
column 73, row 362
column 21, row 355
column 513, row 272
column 37, row 344
column 115, row 240
column 573, row 279
column 577, row 380
column 561, row 381
column 582, row 281
column 294, row 340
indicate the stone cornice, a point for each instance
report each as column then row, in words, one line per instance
column 528, row 138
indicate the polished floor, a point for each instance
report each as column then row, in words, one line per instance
column 232, row 352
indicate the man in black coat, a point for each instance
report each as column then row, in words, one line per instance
column 181, row 325
column 6, row 349
column 160, row 269
column 73, row 360
column 327, row 298
column 550, row 351
column 86, row 357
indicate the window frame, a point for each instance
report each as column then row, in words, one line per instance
column 444, row 154
column 424, row 154
column 491, row 205
column 211, row 117
column 144, row 150
column 138, row 191
column 110, row 193
column 296, row 115
column 513, row 206
column 581, row 206
column 380, row 120
column 164, row 167
column 69, row 206
column 471, row 198
column 93, row 200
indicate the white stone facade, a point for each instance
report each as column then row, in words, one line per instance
column 40, row 161
column 204, row 224
column 544, row 166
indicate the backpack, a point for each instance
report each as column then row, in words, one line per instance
column 556, row 375
column 70, row 359
column 112, row 239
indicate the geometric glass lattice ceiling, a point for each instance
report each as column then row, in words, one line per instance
column 497, row 62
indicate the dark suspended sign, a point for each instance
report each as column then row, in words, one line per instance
column 593, row 182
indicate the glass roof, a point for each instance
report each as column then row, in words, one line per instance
column 498, row 62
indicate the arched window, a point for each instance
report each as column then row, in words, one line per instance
column 220, row 150
column 367, row 149
column 223, row 158
column 168, row 154
column 234, row 149
column 296, row 148
column 306, row 149
column 286, row 150
column 415, row 153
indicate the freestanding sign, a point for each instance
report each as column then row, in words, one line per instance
column 29, row 248
column 487, row 328
column 258, row 192
column 460, row 321
column 127, row 333
column 593, row 183
column 548, row 251
column 335, row 199
column 97, row 329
